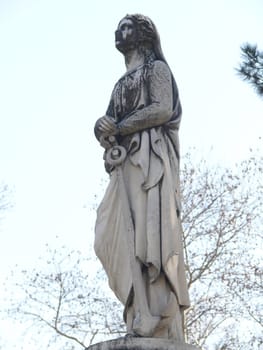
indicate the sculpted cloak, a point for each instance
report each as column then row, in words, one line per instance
column 146, row 107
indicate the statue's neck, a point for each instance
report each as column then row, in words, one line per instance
column 133, row 59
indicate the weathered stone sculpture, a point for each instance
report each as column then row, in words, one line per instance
column 138, row 230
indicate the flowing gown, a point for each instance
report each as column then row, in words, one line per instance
column 146, row 107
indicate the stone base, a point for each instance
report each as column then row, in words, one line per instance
column 134, row 343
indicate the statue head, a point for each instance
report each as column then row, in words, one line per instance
column 138, row 31
column 145, row 29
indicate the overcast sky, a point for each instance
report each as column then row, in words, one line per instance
column 58, row 65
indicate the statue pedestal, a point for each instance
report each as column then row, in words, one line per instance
column 133, row 343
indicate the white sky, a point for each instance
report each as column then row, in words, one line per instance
column 58, row 65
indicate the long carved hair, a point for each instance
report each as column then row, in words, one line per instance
column 147, row 34
column 148, row 38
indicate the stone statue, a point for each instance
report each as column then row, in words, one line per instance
column 138, row 235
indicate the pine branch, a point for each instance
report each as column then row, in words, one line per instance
column 251, row 67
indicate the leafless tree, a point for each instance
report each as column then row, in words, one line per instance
column 222, row 220
column 222, row 223
column 67, row 294
column 6, row 201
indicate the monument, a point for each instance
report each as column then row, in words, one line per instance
column 138, row 233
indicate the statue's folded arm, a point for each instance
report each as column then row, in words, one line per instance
column 159, row 110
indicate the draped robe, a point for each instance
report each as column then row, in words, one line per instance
column 146, row 107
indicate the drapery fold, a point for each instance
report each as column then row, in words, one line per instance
column 153, row 165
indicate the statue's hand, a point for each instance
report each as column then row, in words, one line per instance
column 107, row 126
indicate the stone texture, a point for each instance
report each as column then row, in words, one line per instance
column 133, row 343
column 138, row 232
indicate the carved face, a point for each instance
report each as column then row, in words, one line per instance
column 125, row 36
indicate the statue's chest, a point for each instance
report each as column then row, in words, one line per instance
column 130, row 93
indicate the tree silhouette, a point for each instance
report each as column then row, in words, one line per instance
column 67, row 297
column 251, row 67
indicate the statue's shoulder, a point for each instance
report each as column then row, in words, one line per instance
column 160, row 68
column 158, row 64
